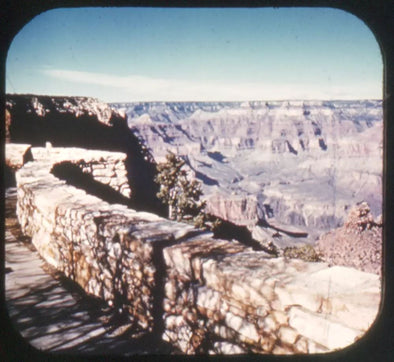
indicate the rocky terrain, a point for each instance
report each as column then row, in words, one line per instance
column 289, row 171
column 295, row 166
column 296, row 179
column 82, row 122
column 358, row 243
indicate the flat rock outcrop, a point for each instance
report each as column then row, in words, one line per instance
column 44, row 105
column 358, row 243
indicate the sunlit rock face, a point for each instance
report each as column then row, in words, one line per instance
column 358, row 243
column 298, row 163
column 45, row 105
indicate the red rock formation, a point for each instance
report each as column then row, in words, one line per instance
column 358, row 243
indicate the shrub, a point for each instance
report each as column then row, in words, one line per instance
column 305, row 252
column 179, row 192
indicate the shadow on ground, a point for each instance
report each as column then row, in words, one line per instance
column 53, row 314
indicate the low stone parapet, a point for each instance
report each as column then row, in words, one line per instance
column 107, row 249
column 239, row 301
column 105, row 167
column 202, row 295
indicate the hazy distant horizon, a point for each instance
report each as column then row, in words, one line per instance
column 196, row 55
column 198, row 101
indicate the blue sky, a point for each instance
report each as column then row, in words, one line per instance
column 148, row 54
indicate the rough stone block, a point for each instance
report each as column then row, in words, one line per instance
column 16, row 155
column 208, row 298
column 227, row 348
column 287, row 334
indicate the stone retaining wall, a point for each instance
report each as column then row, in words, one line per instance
column 203, row 295
column 91, row 241
column 107, row 168
column 17, row 154
column 227, row 299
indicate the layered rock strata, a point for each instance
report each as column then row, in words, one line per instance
column 297, row 163
column 202, row 294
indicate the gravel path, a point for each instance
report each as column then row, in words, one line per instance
column 53, row 314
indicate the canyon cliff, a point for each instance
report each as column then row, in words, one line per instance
column 289, row 171
column 200, row 293
column 294, row 165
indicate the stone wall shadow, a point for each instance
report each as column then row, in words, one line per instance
column 74, row 176
column 228, row 231
column 67, row 326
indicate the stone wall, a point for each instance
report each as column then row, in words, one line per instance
column 107, row 249
column 201, row 294
column 105, row 167
column 222, row 298
column 17, row 155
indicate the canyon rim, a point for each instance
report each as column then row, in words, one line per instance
column 277, row 115
column 285, row 177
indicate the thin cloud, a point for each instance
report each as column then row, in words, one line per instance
column 142, row 88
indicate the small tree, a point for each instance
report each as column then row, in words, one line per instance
column 181, row 194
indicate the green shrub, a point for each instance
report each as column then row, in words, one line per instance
column 304, row 252
column 181, row 194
